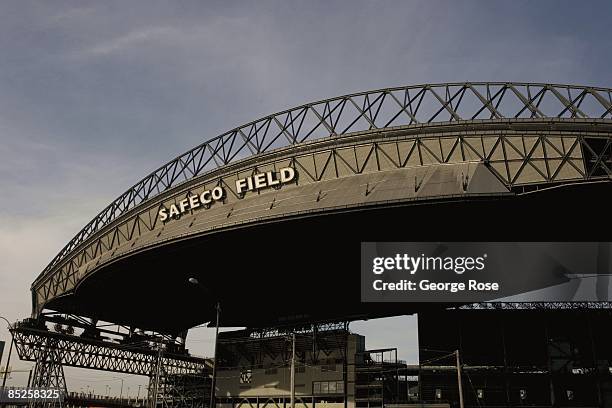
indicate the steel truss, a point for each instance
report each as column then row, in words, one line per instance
column 48, row 371
column 34, row 345
column 522, row 160
column 312, row 343
column 538, row 306
column 366, row 111
column 175, row 379
column 377, row 381
column 185, row 390
column 306, row 328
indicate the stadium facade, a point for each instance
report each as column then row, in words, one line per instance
column 268, row 216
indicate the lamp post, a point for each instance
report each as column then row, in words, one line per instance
column 459, row 383
column 293, row 370
column 196, row 282
column 8, row 359
column 121, row 391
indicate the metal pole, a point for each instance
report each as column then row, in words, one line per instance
column 214, row 373
column 156, row 385
column 293, row 372
column 459, row 384
column 8, row 360
column 121, row 391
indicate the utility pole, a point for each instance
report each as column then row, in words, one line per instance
column 213, row 384
column 8, row 360
column 293, row 372
column 459, row 383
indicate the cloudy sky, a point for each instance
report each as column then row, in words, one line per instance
column 95, row 95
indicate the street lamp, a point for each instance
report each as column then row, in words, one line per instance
column 8, row 359
column 196, row 282
column 121, row 391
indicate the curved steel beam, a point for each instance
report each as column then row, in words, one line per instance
column 347, row 114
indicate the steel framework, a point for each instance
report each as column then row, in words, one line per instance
column 49, row 371
column 168, row 388
column 529, row 135
column 254, row 345
column 35, row 345
column 175, row 379
column 543, row 351
column 538, row 306
column 348, row 114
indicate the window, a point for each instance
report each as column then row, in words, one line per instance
column 328, row 367
column 246, row 376
column 327, row 387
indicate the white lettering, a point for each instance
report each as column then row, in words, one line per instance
column 260, row 180
column 217, row 193
column 205, row 197
column 194, row 201
column 183, row 205
column 287, row 174
column 174, row 212
column 272, row 180
column 241, row 185
column 163, row 214
column 263, row 180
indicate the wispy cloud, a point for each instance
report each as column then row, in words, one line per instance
column 132, row 39
column 72, row 13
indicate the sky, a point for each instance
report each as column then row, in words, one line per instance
column 95, row 95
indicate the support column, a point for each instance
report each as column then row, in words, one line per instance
column 49, row 372
column 213, row 385
column 154, row 379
